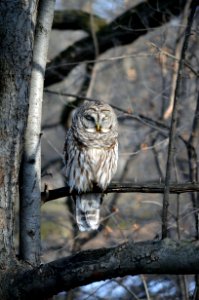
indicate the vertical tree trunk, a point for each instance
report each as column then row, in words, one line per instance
column 31, row 168
column 17, row 20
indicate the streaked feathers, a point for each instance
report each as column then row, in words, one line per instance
column 91, row 159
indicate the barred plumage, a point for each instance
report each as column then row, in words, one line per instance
column 91, row 153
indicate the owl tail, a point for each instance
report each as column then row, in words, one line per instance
column 88, row 211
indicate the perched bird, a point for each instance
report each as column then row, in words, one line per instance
column 91, row 154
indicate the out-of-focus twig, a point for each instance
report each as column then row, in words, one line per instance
column 172, row 133
column 193, row 173
column 145, row 287
column 96, row 47
column 133, row 295
column 193, row 162
column 176, row 58
column 147, row 121
column 76, row 20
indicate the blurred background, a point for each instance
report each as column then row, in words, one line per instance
column 138, row 79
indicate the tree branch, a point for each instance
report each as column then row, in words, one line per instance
column 147, row 121
column 76, row 20
column 153, row 188
column 174, row 119
column 125, row 29
column 193, row 162
column 149, row 257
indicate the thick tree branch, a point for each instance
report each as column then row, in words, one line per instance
column 76, row 20
column 149, row 257
column 125, row 29
column 153, row 188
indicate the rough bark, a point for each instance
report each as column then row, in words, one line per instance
column 149, row 257
column 16, row 35
column 31, row 167
column 125, row 29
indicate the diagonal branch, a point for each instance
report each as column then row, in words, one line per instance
column 149, row 257
column 76, row 20
column 125, row 29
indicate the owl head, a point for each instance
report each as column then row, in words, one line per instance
column 95, row 118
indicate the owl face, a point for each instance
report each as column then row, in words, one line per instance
column 98, row 119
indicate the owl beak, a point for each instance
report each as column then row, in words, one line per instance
column 98, row 127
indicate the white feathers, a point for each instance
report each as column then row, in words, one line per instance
column 91, row 159
column 88, row 211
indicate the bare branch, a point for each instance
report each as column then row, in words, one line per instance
column 193, row 162
column 175, row 57
column 76, row 20
column 153, row 188
column 149, row 257
column 125, row 29
column 147, row 121
column 172, row 133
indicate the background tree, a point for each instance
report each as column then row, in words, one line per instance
column 24, row 31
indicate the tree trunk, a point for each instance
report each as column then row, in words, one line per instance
column 31, row 167
column 17, row 33
column 17, row 19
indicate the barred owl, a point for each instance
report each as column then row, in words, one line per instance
column 91, row 153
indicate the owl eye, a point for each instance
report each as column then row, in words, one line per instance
column 89, row 118
column 105, row 118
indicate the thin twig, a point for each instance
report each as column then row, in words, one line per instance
column 134, row 296
column 145, row 287
column 176, row 58
column 96, row 46
column 193, row 173
column 172, row 133
column 147, row 121
column 193, row 168
column 96, row 61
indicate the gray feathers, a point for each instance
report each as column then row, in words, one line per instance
column 91, row 153
column 88, row 211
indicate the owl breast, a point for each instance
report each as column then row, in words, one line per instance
column 90, row 166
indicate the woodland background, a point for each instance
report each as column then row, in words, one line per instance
column 138, row 78
column 142, row 58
